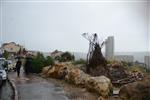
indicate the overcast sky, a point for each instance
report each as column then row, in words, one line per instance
column 49, row 25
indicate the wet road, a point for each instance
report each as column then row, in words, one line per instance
column 6, row 92
column 36, row 88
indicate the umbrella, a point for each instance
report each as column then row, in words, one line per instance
column 19, row 57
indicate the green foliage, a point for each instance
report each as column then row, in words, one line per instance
column 137, row 68
column 65, row 57
column 80, row 61
column 6, row 54
column 40, row 61
column 49, row 61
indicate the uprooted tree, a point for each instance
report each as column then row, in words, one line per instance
column 95, row 57
column 97, row 65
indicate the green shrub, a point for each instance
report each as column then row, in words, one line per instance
column 40, row 61
column 80, row 61
column 49, row 61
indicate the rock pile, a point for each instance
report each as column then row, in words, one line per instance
column 116, row 71
column 139, row 90
column 57, row 71
column 71, row 74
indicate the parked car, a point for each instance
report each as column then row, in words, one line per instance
column 3, row 73
column 1, row 81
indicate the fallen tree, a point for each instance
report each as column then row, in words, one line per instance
column 95, row 57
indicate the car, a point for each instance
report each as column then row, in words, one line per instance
column 3, row 73
column 1, row 81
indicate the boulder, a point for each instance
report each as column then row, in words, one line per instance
column 77, row 77
column 57, row 71
column 100, row 84
column 45, row 70
column 139, row 90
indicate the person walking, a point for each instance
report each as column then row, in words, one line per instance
column 18, row 66
column 28, row 65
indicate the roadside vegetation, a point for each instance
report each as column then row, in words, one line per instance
column 39, row 61
column 80, row 61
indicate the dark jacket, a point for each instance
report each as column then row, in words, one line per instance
column 18, row 65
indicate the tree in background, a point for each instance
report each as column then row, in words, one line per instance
column 64, row 57
column 6, row 54
column 67, row 56
column 19, row 52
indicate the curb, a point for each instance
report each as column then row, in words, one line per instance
column 15, row 96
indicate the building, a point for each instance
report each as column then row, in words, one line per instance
column 125, row 58
column 147, row 61
column 109, row 47
column 12, row 47
column 56, row 53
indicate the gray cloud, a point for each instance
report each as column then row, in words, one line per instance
column 48, row 26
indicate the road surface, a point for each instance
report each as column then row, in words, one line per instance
column 33, row 87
